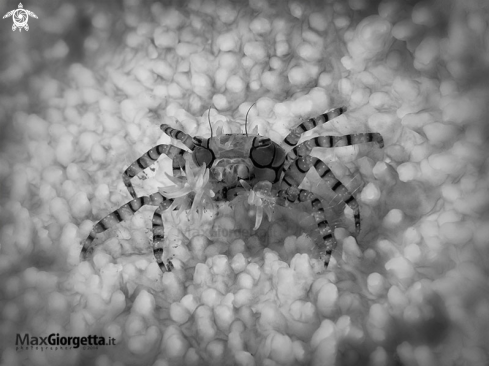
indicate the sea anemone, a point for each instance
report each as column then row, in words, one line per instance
column 193, row 187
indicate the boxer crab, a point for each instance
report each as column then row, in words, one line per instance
column 230, row 163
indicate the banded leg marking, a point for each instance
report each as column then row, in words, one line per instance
column 304, row 148
column 296, row 173
column 179, row 135
column 294, row 136
column 338, row 188
column 124, row 212
column 294, row 194
column 298, row 170
column 149, row 158
column 158, row 237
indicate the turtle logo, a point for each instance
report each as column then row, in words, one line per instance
column 20, row 17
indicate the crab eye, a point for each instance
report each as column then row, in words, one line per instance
column 263, row 154
column 202, row 156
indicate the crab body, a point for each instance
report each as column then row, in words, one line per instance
column 235, row 157
column 233, row 164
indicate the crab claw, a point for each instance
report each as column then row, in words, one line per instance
column 260, row 197
column 259, row 213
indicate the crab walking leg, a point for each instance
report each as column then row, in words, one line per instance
column 149, row 158
column 179, row 135
column 304, row 148
column 159, row 236
column 295, row 134
column 295, row 174
column 122, row 213
column 294, row 194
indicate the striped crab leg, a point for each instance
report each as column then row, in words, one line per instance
column 126, row 212
column 292, row 139
column 295, row 174
column 304, row 148
column 187, row 140
column 293, row 194
column 158, row 237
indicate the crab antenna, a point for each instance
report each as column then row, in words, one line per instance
column 209, row 119
column 246, row 119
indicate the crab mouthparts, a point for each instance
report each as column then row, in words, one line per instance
column 231, row 173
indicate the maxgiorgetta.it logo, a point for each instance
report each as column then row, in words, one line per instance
column 54, row 341
column 20, row 17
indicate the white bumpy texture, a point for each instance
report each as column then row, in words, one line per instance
column 411, row 289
